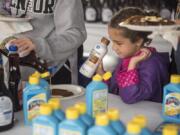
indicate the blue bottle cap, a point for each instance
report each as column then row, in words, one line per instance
column 52, row 69
column 13, row 48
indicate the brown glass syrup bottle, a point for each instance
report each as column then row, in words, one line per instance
column 14, row 76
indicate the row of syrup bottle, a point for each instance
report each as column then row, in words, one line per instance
column 50, row 116
column 35, row 93
column 47, row 123
column 107, row 124
column 141, row 121
column 76, row 121
column 136, row 127
column 171, row 100
column 102, row 126
column 169, row 129
column 97, row 94
column 56, row 107
column 97, row 10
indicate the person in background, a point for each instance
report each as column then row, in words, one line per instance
column 58, row 32
column 177, row 52
column 143, row 71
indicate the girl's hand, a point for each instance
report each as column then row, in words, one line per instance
column 25, row 45
column 100, row 69
column 145, row 53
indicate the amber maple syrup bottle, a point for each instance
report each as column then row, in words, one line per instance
column 32, row 61
column 14, row 76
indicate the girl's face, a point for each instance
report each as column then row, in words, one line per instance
column 122, row 45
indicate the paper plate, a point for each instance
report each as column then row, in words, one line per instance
column 14, row 19
column 150, row 27
column 75, row 89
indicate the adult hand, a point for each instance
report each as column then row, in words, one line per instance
column 25, row 45
column 144, row 54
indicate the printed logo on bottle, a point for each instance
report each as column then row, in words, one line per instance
column 90, row 14
column 98, row 47
column 172, row 104
column 100, row 102
column 68, row 132
column 94, row 57
column 33, row 105
column 42, row 130
column 107, row 15
column 6, row 109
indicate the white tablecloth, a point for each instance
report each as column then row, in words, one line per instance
column 150, row 109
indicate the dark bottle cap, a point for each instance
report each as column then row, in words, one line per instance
column 105, row 41
column 13, row 48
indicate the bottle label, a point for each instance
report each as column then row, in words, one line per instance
column 100, row 103
column 33, row 104
column 165, row 13
column 6, row 111
column 90, row 65
column 42, row 130
column 94, row 57
column 172, row 104
column 68, row 132
column 107, row 14
column 90, row 14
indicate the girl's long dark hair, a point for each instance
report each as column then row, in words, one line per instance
column 124, row 14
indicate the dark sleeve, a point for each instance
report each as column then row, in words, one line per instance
column 136, row 85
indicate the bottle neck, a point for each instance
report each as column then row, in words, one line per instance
column 13, row 52
column 104, row 45
column 89, row 3
column 32, row 61
column 105, row 3
column 111, row 4
column 34, row 84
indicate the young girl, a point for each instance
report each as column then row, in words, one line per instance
column 142, row 72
